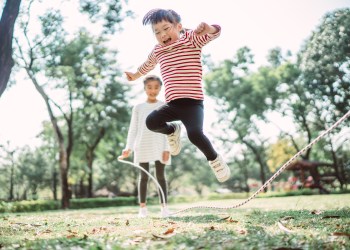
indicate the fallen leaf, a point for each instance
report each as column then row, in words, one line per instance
column 72, row 232
column 317, row 212
column 283, row 228
column 231, row 220
column 127, row 222
column 330, row 216
column 167, row 234
column 163, row 236
column 71, row 236
column 27, row 224
column 169, row 231
column 287, row 218
column 212, row 228
column 225, row 218
column 341, row 234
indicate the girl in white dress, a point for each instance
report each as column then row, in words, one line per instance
column 148, row 146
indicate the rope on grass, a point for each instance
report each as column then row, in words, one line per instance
column 120, row 159
column 279, row 171
column 275, row 175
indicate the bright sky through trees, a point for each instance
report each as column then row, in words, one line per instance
column 259, row 24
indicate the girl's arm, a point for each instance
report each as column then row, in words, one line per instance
column 132, row 134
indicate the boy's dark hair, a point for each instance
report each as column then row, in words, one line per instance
column 157, row 15
column 152, row 78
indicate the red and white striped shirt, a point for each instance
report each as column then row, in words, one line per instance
column 180, row 65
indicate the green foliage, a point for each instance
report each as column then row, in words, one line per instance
column 28, row 206
column 110, row 12
column 279, row 153
column 43, row 205
column 102, row 202
column 325, row 62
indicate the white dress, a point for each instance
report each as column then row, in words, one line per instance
column 148, row 146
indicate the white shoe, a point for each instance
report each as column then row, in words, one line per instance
column 143, row 212
column 220, row 168
column 174, row 139
column 164, row 211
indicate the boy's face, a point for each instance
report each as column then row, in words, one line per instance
column 166, row 32
column 152, row 88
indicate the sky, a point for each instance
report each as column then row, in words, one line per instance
column 259, row 24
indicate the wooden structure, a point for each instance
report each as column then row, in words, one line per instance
column 309, row 175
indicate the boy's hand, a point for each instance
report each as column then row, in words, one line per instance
column 204, row 28
column 132, row 76
column 166, row 156
column 125, row 154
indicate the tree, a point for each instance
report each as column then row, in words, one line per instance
column 50, row 149
column 10, row 168
column 43, row 60
column 101, row 97
column 7, row 23
column 325, row 61
column 111, row 13
column 42, row 53
column 33, row 172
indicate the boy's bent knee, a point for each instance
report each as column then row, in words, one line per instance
column 150, row 122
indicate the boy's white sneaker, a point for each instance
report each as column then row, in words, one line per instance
column 143, row 212
column 164, row 211
column 220, row 168
column 174, row 139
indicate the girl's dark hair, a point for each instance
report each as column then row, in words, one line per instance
column 152, row 78
column 157, row 15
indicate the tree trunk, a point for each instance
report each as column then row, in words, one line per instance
column 11, row 195
column 63, row 152
column 258, row 157
column 89, row 157
column 336, row 166
column 7, row 23
column 64, row 177
column 54, row 184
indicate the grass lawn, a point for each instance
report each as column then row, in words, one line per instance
column 298, row 222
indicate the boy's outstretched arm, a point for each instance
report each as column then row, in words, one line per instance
column 204, row 28
column 132, row 76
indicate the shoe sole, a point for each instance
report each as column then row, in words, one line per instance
column 223, row 179
column 180, row 146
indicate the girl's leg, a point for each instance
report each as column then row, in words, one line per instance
column 160, row 175
column 143, row 182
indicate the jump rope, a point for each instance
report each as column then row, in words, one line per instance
column 269, row 181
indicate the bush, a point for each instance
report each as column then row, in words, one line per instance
column 28, row 206
column 102, row 202
column 42, row 205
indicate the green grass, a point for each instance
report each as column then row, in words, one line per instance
column 296, row 222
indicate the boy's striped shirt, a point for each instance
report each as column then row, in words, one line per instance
column 180, row 65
